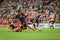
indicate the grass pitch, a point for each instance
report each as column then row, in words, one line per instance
column 45, row 34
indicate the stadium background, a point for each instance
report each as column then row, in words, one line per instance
column 8, row 8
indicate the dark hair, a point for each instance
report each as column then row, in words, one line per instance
column 19, row 11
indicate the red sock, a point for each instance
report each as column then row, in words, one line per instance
column 31, row 28
column 37, row 25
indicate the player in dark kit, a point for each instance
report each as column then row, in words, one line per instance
column 21, row 17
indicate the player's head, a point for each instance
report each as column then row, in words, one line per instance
column 19, row 11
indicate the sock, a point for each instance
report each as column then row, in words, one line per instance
column 31, row 28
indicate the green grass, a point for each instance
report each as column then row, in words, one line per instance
column 45, row 34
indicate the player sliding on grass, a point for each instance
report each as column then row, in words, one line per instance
column 14, row 28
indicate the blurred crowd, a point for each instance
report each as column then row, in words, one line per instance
column 9, row 8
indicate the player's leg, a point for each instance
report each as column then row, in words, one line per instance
column 38, row 27
column 26, row 25
column 14, row 28
column 53, row 24
column 33, row 22
column 31, row 27
column 19, row 29
column 50, row 24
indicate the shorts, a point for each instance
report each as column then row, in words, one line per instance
column 52, row 22
column 32, row 20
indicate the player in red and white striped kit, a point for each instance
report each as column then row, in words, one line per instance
column 52, row 20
